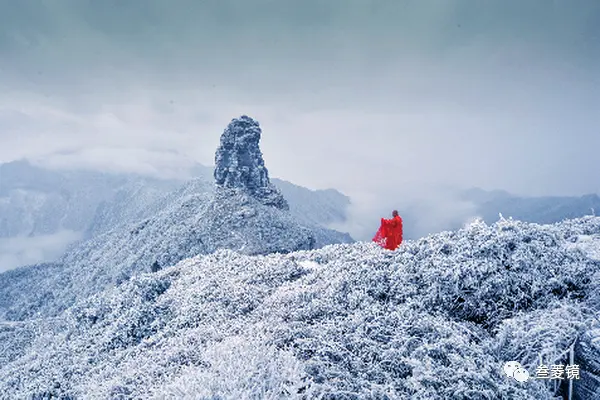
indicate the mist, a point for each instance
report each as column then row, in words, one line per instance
column 29, row 250
column 389, row 102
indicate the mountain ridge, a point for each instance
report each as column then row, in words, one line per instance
column 124, row 199
column 242, row 211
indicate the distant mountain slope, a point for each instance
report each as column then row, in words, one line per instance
column 37, row 201
column 314, row 207
column 311, row 207
column 346, row 321
column 245, row 213
column 543, row 210
column 43, row 211
column 132, row 203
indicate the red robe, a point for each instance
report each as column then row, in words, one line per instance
column 389, row 235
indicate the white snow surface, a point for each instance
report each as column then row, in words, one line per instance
column 197, row 219
column 44, row 210
column 435, row 319
column 589, row 244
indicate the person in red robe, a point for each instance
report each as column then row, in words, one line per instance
column 389, row 235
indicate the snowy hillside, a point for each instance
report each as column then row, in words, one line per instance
column 317, row 209
column 245, row 213
column 133, row 203
column 36, row 200
column 42, row 211
column 435, row 319
column 310, row 207
column 314, row 207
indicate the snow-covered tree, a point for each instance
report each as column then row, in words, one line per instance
column 344, row 321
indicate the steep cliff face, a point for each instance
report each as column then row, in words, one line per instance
column 239, row 163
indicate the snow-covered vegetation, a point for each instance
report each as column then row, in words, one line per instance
column 193, row 221
column 219, row 291
column 243, row 211
column 539, row 209
column 435, row 319
column 42, row 211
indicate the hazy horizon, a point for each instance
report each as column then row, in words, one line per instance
column 385, row 101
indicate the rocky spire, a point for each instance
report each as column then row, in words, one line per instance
column 239, row 163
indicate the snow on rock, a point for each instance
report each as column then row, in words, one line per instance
column 435, row 319
column 239, row 163
column 197, row 221
column 310, row 265
column 242, row 212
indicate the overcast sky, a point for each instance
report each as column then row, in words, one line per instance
column 376, row 98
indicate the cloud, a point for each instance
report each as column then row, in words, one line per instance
column 425, row 209
column 385, row 98
column 161, row 164
column 26, row 250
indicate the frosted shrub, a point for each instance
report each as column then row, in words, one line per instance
column 238, row 368
column 485, row 277
column 384, row 354
column 434, row 320
column 541, row 336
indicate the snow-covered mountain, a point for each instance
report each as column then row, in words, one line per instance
column 223, row 290
column 133, row 203
column 245, row 213
column 543, row 210
column 39, row 201
column 435, row 319
column 449, row 208
column 311, row 207
column 42, row 211
column 314, row 207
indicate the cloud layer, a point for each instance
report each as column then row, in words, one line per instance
column 23, row 250
column 379, row 99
